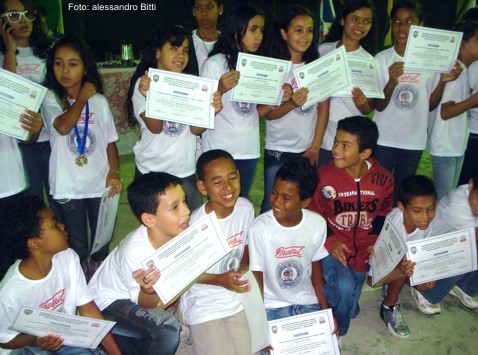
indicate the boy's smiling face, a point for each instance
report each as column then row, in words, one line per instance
column 418, row 213
column 222, row 186
column 286, row 203
column 347, row 154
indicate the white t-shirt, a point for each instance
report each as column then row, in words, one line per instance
column 236, row 126
column 11, row 164
column 173, row 150
column 340, row 107
column 284, row 255
column 396, row 217
column 202, row 303
column 448, row 138
column 32, row 68
column 294, row 131
column 453, row 212
column 202, row 48
column 403, row 123
column 62, row 290
column 67, row 179
column 473, row 112
column 113, row 280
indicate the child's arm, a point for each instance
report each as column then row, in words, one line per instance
column 318, row 283
column 33, row 123
column 363, row 104
column 228, row 80
column 437, row 93
column 113, row 178
column 153, row 125
column 229, row 280
column 394, row 73
column 452, row 109
column 66, row 121
column 290, row 101
column 91, row 310
column 312, row 153
column 48, row 342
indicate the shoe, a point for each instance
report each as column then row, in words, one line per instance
column 465, row 299
column 423, row 304
column 394, row 320
column 340, row 342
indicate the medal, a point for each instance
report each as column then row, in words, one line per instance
column 81, row 159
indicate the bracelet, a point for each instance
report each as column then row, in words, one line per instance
column 148, row 293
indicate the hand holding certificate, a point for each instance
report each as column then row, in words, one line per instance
column 187, row 256
column 180, row 98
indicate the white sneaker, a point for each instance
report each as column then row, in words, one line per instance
column 464, row 298
column 340, row 342
column 423, row 304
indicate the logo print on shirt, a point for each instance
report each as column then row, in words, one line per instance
column 173, row 129
column 288, row 252
column 53, row 303
column 289, row 274
column 231, row 261
column 405, row 97
column 244, row 109
column 90, row 141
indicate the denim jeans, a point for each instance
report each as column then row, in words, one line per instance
column 342, row 289
column 289, row 311
column 401, row 162
column 273, row 160
column 153, row 331
column 469, row 162
column 446, row 172
column 467, row 282
column 64, row 350
column 247, row 169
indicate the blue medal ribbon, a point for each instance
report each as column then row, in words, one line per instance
column 81, row 141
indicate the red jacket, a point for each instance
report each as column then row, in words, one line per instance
column 336, row 199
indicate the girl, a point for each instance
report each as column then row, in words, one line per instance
column 84, row 157
column 24, row 49
column 402, row 116
column 237, row 126
column 449, row 126
column 353, row 30
column 290, row 131
column 165, row 146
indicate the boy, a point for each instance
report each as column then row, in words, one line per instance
column 123, row 290
column 288, row 241
column 354, row 195
column 213, row 307
column 47, row 275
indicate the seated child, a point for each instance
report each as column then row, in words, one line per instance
column 122, row 289
column 47, row 274
column 354, row 195
column 213, row 307
column 288, row 240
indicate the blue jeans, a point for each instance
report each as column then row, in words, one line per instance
column 273, row 160
column 467, row 282
column 289, row 311
column 342, row 289
column 401, row 162
column 64, row 350
column 470, row 159
column 446, row 172
column 247, row 169
column 153, row 331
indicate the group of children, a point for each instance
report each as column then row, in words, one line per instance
column 308, row 250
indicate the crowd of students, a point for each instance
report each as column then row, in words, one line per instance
column 331, row 177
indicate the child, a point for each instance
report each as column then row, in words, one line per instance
column 23, row 50
column 237, row 125
column 84, row 158
column 290, row 131
column 402, row 123
column 165, row 146
column 213, row 307
column 122, row 289
column 46, row 275
column 288, row 241
column 354, row 29
column 448, row 123
column 354, row 195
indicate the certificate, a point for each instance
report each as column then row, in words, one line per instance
column 77, row 331
column 188, row 255
column 363, row 74
column 261, row 79
column 106, row 220
column 16, row 95
column 309, row 333
column 432, row 49
column 389, row 250
column 324, row 76
column 180, row 98
column 442, row 256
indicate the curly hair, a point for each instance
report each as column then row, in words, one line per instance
column 302, row 173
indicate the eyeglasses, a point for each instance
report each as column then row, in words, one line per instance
column 16, row 16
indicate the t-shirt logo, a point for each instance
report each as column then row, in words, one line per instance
column 289, row 274
column 173, row 129
column 55, row 301
column 405, row 97
column 90, row 145
column 244, row 109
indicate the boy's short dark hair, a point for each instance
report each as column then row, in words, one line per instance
column 363, row 128
column 413, row 5
column 207, row 157
column 414, row 186
column 302, row 173
column 20, row 222
column 144, row 191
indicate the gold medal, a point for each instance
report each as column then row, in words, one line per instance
column 81, row 160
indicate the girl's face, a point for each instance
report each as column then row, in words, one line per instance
column 206, row 13
column 23, row 28
column 357, row 24
column 401, row 22
column 299, row 34
column 69, row 70
column 253, row 37
column 173, row 58
column 469, row 49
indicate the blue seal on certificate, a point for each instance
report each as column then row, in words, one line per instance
column 289, row 274
column 405, row 97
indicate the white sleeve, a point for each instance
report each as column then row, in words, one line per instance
column 50, row 110
column 138, row 100
column 256, row 247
